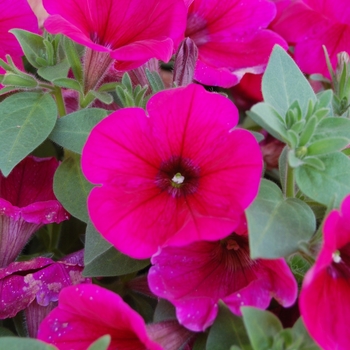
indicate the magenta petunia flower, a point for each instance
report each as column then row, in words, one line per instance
column 309, row 24
column 232, row 38
column 195, row 277
column 33, row 286
column 27, row 202
column 324, row 298
column 177, row 175
column 132, row 31
column 86, row 313
column 14, row 14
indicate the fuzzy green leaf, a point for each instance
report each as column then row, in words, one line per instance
column 284, row 221
column 27, row 118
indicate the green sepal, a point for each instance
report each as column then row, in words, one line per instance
column 73, row 59
column 21, row 81
column 68, row 83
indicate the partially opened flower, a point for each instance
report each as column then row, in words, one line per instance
column 324, row 299
column 86, row 313
column 309, row 24
column 232, row 38
column 177, row 175
column 33, row 286
column 132, row 31
column 27, row 202
column 14, row 14
column 195, row 277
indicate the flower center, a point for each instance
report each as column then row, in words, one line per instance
column 178, row 176
column 340, row 266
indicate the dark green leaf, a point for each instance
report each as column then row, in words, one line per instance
column 227, row 330
column 4, row 332
column 262, row 326
column 102, row 259
column 283, row 83
column 17, row 343
column 27, row 118
column 32, row 45
column 71, row 188
column 101, row 343
column 272, row 218
column 72, row 130
column 331, row 184
column 155, row 81
column 308, row 131
column 58, row 71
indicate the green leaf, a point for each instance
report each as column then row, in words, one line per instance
column 333, row 183
column 27, row 118
column 104, row 97
column 72, row 130
column 155, row 81
column 268, row 118
column 73, row 58
column 67, row 83
column 23, row 80
column 71, row 188
column 325, row 146
column 332, row 127
column 32, row 45
column 283, row 83
column 262, row 326
column 283, row 221
column 314, row 162
column 227, row 330
column 4, row 332
column 164, row 311
column 102, row 259
column 58, row 71
column 126, row 81
column 301, row 338
column 101, row 343
column 17, row 343
column 308, row 131
column 293, row 160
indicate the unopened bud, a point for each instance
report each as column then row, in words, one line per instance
column 185, row 62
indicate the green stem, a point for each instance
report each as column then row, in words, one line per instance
column 290, row 192
column 59, row 101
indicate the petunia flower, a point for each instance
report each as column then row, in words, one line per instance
column 195, row 277
column 175, row 175
column 14, row 14
column 27, row 202
column 131, row 31
column 309, row 24
column 232, row 38
column 324, row 298
column 86, row 313
column 34, row 285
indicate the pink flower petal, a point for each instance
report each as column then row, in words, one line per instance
column 87, row 312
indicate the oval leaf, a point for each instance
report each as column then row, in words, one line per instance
column 72, row 130
column 331, row 184
column 272, row 218
column 283, row 83
column 27, row 118
column 71, row 188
